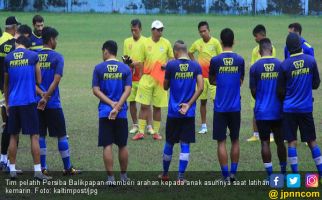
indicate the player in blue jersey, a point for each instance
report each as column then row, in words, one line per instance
column 50, row 113
column 301, row 76
column 227, row 73
column 22, row 72
column 36, row 37
column 307, row 48
column 5, row 49
column 264, row 75
column 181, row 75
column 112, row 81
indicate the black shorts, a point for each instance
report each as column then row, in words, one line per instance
column 221, row 121
column 52, row 120
column 112, row 131
column 25, row 118
column 304, row 121
column 265, row 127
column 180, row 130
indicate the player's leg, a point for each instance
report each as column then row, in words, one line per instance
column 183, row 159
column 264, row 132
column 120, row 139
column 5, row 139
column 108, row 163
column 290, row 126
column 279, row 141
column 12, row 151
column 143, row 115
column 203, row 107
column 234, row 128
column 42, row 140
column 308, row 134
column 133, row 109
column 156, row 122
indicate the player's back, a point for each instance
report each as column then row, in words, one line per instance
column 182, row 74
column 51, row 63
column 112, row 76
column 229, row 69
column 20, row 64
column 300, row 71
column 265, row 74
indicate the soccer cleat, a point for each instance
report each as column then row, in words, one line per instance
column 253, row 139
column 163, row 178
column 44, row 172
column 134, row 130
column 157, row 136
column 13, row 175
column 232, row 178
column 40, row 176
column 71, row 171
column 138, row 136
column 7, row 170
column 150, row 131
column 203, row 131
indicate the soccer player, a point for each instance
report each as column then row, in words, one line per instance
column 36, row 37
column 50, row 113
column 22, row 72
column 6, row 48
column 111, row 84
column 259, row 33
column 206, row 47
column 181, row 76
column 264, row 75
column 307, row 48
column 133, row 50
column 227, row 72
column 301, row 76
column 157, row 51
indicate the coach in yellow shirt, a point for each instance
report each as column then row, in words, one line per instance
column 157, row 52
column 206, row 47
column 134, row 48
column 259, row 33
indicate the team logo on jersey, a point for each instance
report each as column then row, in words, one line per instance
column 228, row 61
column 42, row 57
column 33, row 43
column 161, row 49
column 7, row 48
column 112, row 68
column 298, row 64
column 269, row 67
column 212, row 48
column 184, row 67
column 18, row 55
column 149, row 48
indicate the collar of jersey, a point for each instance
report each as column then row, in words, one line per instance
column 184, row 58
column 267, row 57
column 39, row 37
column 228, row 52
column 111, row 59
column 297, row 54
column 46, row 48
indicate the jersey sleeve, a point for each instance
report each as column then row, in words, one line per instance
column 141, row 53
column 95, row 80
column 218, row 48
column 193, row 48
column 308, row 49
column 212, row 67
column 252, row 78
column 167, row 71
column 274, row 52
column 198, row 70
column 60, row 65
column 170, row 51
column 316, row 77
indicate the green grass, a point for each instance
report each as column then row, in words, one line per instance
column 80, row 40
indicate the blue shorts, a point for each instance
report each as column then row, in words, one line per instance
column 303, row 121
column 221, row 121
column 25, row 118
column 52, row 120
column 180, row 130
column 112, row 131
column 265, row 127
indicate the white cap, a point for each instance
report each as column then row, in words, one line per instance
column 157, row 24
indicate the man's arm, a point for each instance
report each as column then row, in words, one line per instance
column 212, row 72
column 5, row 87
column 38, row 73
column 316, row 77
column 252, row 81
column 166, row 83
column 101, row 96
column 191, row 56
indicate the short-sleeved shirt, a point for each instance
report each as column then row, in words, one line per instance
column 5, row 37
column 20, row 65
column 205, row 50
column 256, row 56
column 182, row 74
column 51, row 63
column 135, row 49
column 264, row 77
column 5, row 48
column 228, row 69
column 300, row 73
column 36, row 42
column 111, row 77
column 307, row 49
column 156, row 54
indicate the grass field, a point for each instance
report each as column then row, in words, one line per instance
column 80, row 40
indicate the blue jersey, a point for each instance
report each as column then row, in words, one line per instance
column 263, row 78
column 228, row 69
column 51, row 63
column 111, row 77
column 307, row 49
column 20, row 65
column 301, row 76
column 182, row 75
column 36, row 42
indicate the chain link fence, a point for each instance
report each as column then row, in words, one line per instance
column 220, row 7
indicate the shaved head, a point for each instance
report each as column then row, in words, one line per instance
column 179, row 45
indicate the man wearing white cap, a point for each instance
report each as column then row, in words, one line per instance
column 157, row 51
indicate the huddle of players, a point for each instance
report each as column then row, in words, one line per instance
column 32, row 70
column 282, row 90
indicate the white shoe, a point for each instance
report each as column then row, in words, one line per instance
column 203, row 131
